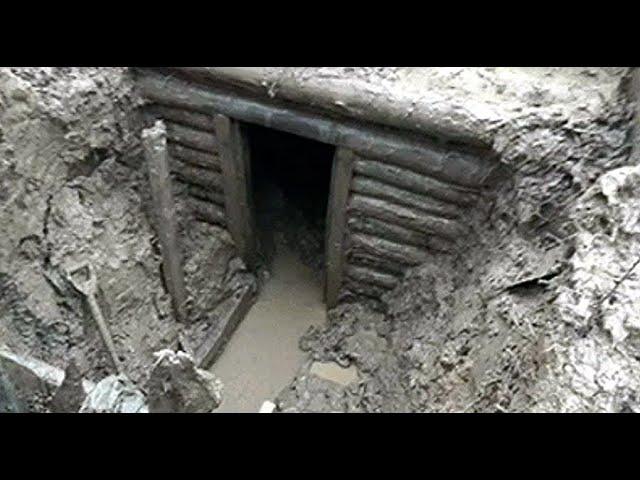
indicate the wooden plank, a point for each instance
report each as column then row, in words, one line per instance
column 154, row 142
column 360, row 98
column 201, row 121
column 236, row 179
column 341, row 175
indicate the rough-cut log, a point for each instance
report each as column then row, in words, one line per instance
column 206, row 194
column 356, row 257
column 358, row 98
column 341, row 175
column 236, row 180
column 200, row 121
column 206, row 160
column 378, row 247
column 375, row 188
column 197, row 176
column 397, row 233
column 370, row 141
column 154, row 141
column 214, row 343
column 190, row 137
column 417, row 183
column 207, row 212
column 406, row 217
column 365, row 289
column 371, row 276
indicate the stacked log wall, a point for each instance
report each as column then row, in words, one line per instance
column 195, row 159
column 398, row 218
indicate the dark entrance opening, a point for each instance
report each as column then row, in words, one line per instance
column 291, row 178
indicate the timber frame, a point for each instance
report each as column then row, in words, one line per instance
column 396, row 196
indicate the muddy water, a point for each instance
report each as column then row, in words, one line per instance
column 263, row 356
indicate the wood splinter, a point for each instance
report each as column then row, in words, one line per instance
column 154, row 141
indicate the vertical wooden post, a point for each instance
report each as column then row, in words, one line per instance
column 341, row 174
column 236, row 178
column 154, row 141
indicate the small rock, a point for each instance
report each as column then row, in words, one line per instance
column 115, row 394
column 71, row 394
column 176, row 385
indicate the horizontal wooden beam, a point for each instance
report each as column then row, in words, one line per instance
column 364, row 289
column 375, row 188
column 420, row 184
column 368, row 140
column 197, row 158
column 357, row 257
column 397, row 233
column 205, row 194
column 359, row 98
column 190, row 137
column 405, row 255
column 197, row 176
column 406, row 217
column 371, row 276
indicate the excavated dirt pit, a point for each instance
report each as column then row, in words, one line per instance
column 537, row 310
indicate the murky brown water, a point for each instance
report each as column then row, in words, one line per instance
column 263, row 356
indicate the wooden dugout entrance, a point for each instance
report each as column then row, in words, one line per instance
column 237, row 145
column 397, row 197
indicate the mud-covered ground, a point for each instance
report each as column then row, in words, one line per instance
column 73, row 190
column 538, row 311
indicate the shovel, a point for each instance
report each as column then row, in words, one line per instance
column 83, row 279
